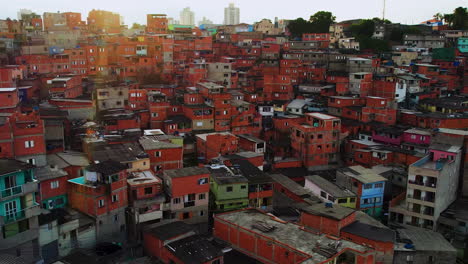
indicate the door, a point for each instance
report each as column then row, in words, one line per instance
column 10, row 181
column 10, row 210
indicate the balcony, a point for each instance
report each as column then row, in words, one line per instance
column 13, row 191
column 19, row 190
column 20, row 215
column 141, row 218
column 189, row 204
column 18, row 239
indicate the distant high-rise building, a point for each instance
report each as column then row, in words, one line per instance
column 205, row 21
column 22, row 12
column 231, row 15
column 172, row 21
column 187, row 17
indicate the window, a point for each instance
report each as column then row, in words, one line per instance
column 54, row 184
column 229, row 189
column 323, row 194
column 202, row 181
column 378, row 185
column 31, row 161
column 101, row 203
column 116, row 218
column 29, row 144
column 342, row 201
column 148, row 190
column 243, row 186
column 201, row 196
column 157, row 154
column 368, row 186
column 176, row 201
column 115, row 198
column 201, row 213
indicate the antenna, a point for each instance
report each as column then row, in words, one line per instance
column 383, row 12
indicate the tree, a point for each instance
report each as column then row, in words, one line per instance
column 380, row 21
column 439, row 16
column 318, row 23
column 460, row 18
column 321, row 21
column 363, row 33
column 298, row 27
column 137, row 26
column 363, row 29
column 457, row 20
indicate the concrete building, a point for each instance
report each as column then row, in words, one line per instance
column 432, row 185
column 205, row 21
column 187, row 17
column 145, row 202
column 267, row 27
column 330, row 192
column 219, row 72
column 432, row 41
column 231, row 15
column 111, row 97
column 188, row 189
column 419, row 246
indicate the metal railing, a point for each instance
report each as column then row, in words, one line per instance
column 12, row 191
column 17, row 215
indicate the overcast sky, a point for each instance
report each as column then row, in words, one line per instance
column 403, row 11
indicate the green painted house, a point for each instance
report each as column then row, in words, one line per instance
column 18, row 209
column 229, row 190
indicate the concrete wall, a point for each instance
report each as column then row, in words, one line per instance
column 422, row 257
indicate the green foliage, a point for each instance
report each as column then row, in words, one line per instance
column 457, row 20
column 377, row 45
column 321, row 21
column 398, row 33
column 363, row 33
column 318, row 23
column 137, row 26
column 363, row 29
column 380, row 21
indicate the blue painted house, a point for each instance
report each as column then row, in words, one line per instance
column 367, row 184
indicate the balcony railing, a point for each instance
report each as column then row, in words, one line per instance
column 18, row 215
column 13, row 216
column 189, row 204
column 12, row 191
column 28, row 187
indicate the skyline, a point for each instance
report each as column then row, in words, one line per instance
column 250, row 11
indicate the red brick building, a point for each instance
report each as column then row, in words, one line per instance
column 177, row 242
column 102, row 195
column 317, row 141
column 213, row 145
column 163, row 155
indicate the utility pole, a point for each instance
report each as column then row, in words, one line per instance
column 383, row 11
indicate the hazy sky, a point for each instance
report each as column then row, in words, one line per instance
column 403, row 11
